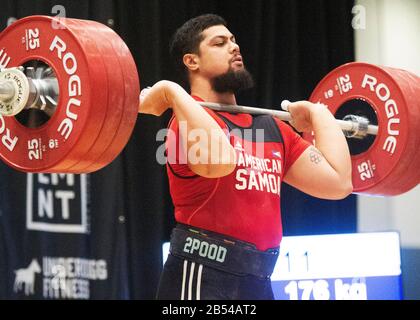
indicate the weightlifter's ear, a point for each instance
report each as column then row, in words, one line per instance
column 191, row 61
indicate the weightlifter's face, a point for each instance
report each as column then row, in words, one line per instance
column 218, row 52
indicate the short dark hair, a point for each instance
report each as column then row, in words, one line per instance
column 188, row 37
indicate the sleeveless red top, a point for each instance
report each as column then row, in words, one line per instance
column 245, row 204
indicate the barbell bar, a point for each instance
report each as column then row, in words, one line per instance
column 354, row 127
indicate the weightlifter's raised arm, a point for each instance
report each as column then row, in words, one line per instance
column 323, row 171
column 166, row 94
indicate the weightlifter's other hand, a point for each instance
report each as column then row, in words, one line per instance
column 155, row 100
column 302, row 113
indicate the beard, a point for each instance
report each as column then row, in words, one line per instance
column 233, row 81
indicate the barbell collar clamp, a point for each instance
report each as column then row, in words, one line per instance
column 360, row 126
column 41, row 94
column 14, row 91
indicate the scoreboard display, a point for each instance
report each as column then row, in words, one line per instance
column 358, row 266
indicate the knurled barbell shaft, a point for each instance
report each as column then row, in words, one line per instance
column 282, row 115
column 7, row 90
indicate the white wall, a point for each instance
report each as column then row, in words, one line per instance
column 391, row 37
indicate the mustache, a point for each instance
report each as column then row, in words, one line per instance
column 235, row 58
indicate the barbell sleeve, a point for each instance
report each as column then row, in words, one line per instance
column 19, row 91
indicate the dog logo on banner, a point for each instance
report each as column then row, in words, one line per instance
column 57, row 203
column 25, row 277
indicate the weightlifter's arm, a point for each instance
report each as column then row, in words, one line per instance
column 202, row 131
column 323, row 171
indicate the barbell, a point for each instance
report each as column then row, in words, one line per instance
column 69, row 101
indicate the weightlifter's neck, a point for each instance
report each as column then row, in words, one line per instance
column 204, row 90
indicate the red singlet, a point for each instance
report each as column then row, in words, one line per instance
column 245, row 204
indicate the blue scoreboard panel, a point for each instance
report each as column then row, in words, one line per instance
column 359, row 266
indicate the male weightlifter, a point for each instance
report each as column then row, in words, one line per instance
column 225, row 181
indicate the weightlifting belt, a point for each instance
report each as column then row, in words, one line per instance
column 217, row 251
